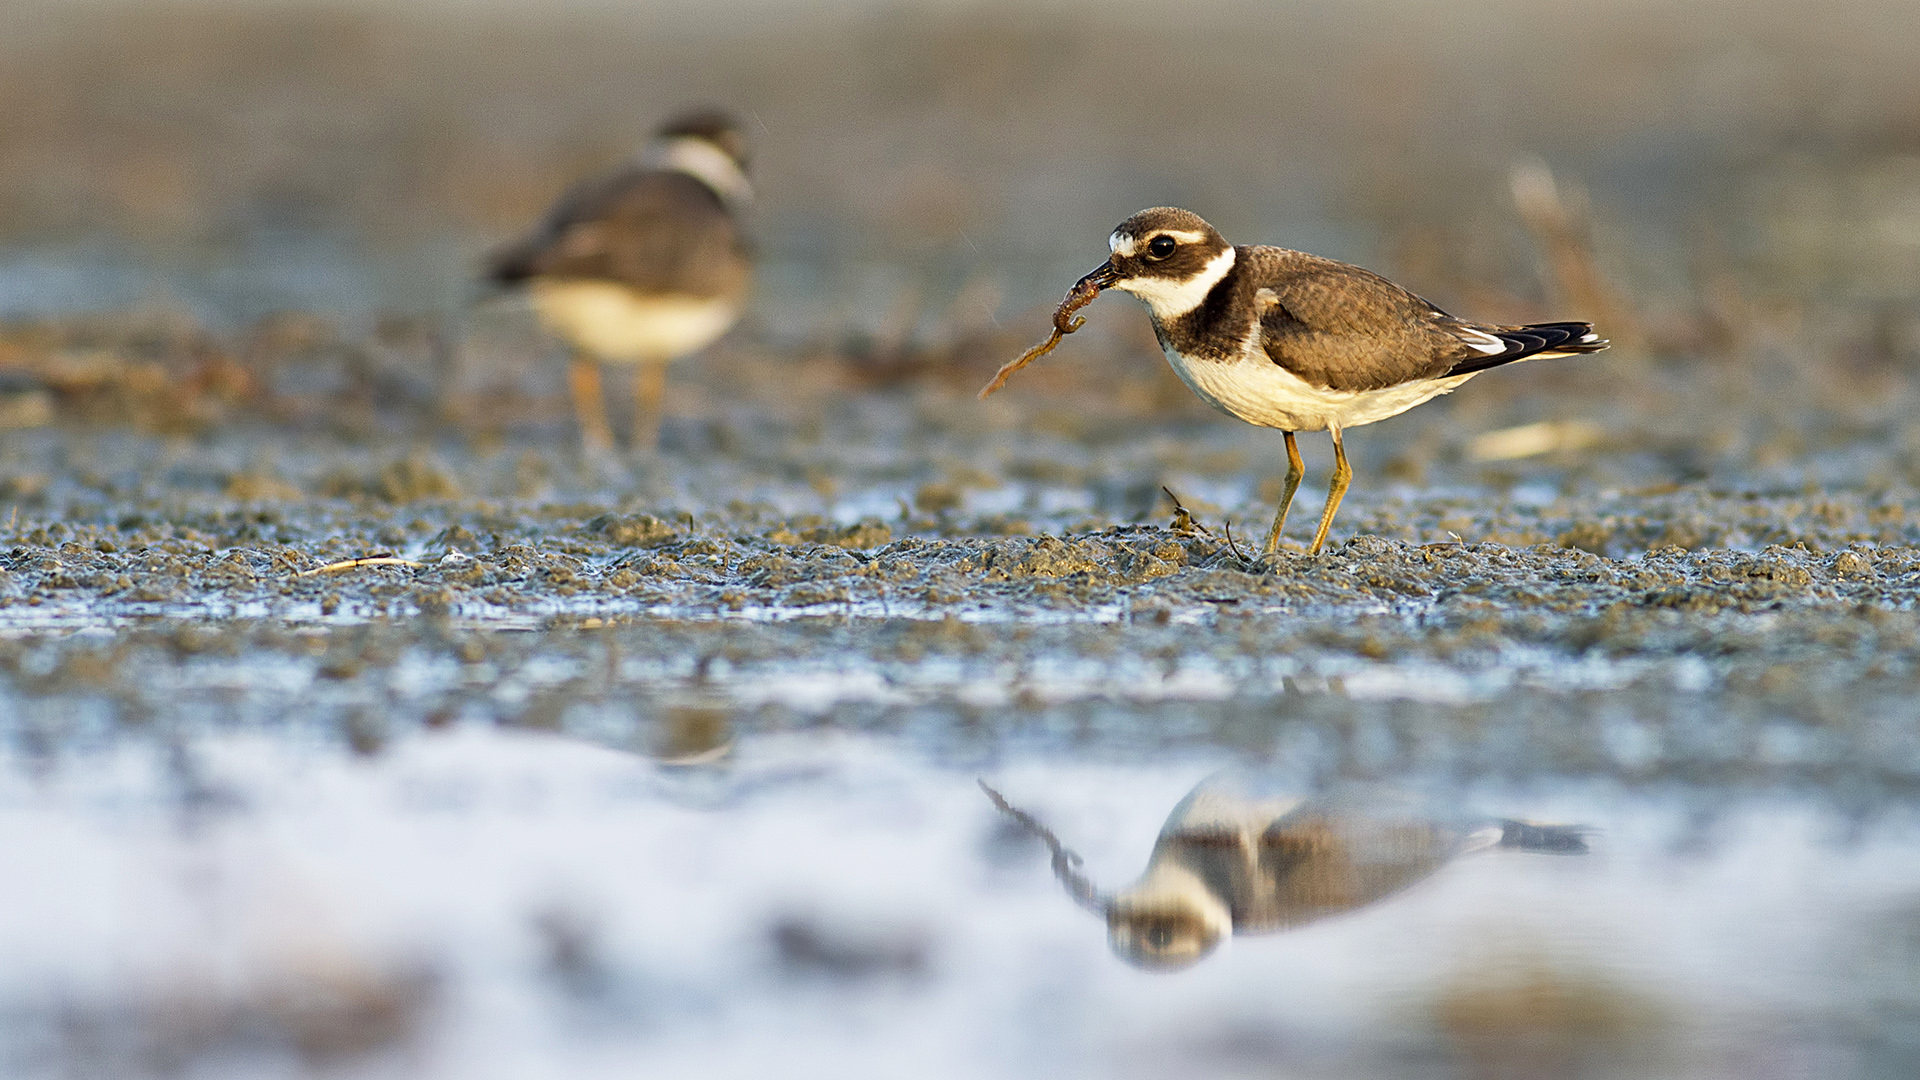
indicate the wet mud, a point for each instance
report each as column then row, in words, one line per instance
column 815, row 548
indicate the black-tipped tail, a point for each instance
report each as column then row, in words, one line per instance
column 1546, row 839
column 1540, row 340
column 512, row 266
column 506, row 271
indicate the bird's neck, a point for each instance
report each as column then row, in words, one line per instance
column 704, row 162
column 1170, row 886
column 1170, row 298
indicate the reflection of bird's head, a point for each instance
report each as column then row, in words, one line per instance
column 1161, row 940
column 1168, row 921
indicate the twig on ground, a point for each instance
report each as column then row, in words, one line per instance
column 1183, row 519
column 1233, row 547
column 354, row 564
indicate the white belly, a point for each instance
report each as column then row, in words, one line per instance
column 616, row 325
column 1262, row 392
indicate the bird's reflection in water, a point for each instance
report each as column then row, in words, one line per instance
column 1235, row 857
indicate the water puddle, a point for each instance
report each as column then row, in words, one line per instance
column 478, row 903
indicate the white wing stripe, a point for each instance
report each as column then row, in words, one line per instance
column 1483, row 342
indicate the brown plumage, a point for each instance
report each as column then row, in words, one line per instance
column 1345, row 328
column 653, row 231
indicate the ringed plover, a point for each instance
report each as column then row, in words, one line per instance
column 642, row 265
column 1293, row 341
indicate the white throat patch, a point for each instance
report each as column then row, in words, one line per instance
column 1170, row 298
column 704, row 162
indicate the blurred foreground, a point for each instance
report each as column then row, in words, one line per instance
column 486, row 904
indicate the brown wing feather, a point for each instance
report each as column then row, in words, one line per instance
column 1345, row 328
column 655, row 232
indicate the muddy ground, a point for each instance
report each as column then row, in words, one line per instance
column 1715, row 591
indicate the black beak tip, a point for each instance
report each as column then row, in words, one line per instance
column 1104, row 276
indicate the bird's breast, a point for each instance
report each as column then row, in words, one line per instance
column 617, row 324
column 1253, row 388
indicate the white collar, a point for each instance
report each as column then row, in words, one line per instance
column 704, row 162
column 1169, row 298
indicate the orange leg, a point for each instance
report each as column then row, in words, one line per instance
column 649, row 396
column 1295, row 470
column 1342, row 476
column 589, row 405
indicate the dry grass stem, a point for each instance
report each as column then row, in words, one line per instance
column 1558, row 215
column 355, row 564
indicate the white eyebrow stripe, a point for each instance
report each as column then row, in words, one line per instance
column 1122, row 244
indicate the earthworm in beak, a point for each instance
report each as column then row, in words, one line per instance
column 1064, row 322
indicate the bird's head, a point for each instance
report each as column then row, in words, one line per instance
column 1167, row 920
column 709, row 146
column 1165, row 934
column 1168, row 257
column 711, row 126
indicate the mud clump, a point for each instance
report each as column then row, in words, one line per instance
column 865, row 534
column 1539, row 1021
column 632, row 530
column 414, row 478
column 1049, row 556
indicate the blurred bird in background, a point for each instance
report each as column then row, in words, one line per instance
column 641, row 266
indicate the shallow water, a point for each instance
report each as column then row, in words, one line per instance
column 473, row 902
column 626, row 778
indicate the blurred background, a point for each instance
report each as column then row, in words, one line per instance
column 231, row 159
column 1724, row 181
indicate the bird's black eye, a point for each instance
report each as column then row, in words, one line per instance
column 1160, row 247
